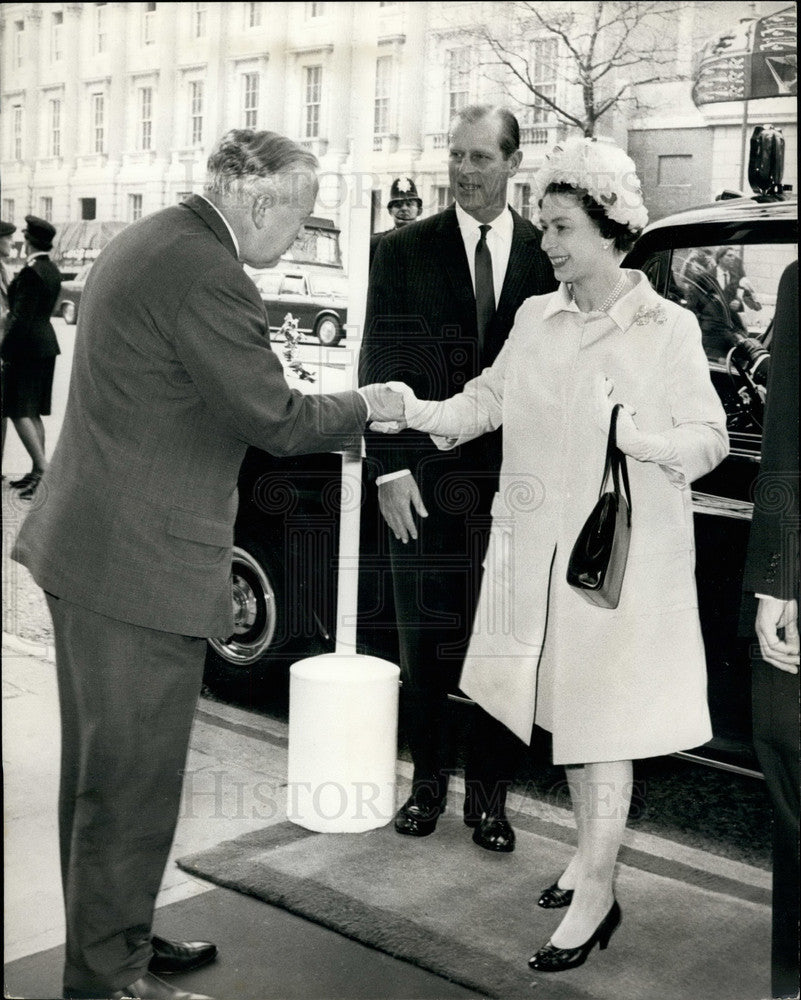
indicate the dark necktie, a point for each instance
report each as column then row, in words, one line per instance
column 485, row 291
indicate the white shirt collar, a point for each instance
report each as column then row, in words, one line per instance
column 503, row 226
column 227, row 224
column 35, row 254
column 639, row 295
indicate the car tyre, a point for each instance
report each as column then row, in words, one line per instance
column 69, row 313
column 328, row 331
column 247, row 660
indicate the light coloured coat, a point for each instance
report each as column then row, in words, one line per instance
column 609, row 684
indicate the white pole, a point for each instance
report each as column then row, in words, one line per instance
column 359, row 185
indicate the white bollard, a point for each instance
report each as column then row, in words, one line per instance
column 343, row 726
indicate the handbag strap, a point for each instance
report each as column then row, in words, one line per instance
column 615, row 462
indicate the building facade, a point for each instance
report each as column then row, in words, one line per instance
column 109, row 110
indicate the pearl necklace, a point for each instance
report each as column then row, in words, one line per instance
column 614, row 295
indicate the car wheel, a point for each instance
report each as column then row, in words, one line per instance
column 69, row 313
column 236, row 665
column 328, row 331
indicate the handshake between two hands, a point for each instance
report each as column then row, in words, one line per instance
column 388, row 404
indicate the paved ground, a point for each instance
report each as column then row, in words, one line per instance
column 235, row 782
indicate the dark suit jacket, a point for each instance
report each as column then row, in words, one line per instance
column 32, row 294
column 772, row 566
column 421, row 326
column 173, row 377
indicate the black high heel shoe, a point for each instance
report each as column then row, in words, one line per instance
column 553, row 897
column 550, row 959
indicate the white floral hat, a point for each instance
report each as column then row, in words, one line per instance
column 603, row 170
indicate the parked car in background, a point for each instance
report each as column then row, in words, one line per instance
column 314, row 294
column 308, row 282
column 69, row 298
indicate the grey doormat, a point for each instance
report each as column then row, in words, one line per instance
column 471, row 916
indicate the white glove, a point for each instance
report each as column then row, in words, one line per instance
column 421, row 414
column 631, row 440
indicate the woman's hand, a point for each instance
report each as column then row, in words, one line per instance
column 628, row 434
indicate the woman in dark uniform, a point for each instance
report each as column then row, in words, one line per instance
column 30, row 348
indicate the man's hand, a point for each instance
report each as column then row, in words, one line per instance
column 397, row 500
column 385, row 404
column 774, row 614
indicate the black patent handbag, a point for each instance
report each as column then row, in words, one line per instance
column 597, row 562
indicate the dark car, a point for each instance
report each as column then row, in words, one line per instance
column 69, row 297
column 284, row 585
column 313, row 294
column 684, row 256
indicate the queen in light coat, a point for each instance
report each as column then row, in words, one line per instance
column 610, row 685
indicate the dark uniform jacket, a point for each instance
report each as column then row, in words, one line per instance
column 32, row 294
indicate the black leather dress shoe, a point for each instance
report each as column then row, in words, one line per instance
column 148, row 987
column 418, row 816
column 494, row 834
column 180, row 956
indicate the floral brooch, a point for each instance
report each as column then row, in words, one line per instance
column 645, row 315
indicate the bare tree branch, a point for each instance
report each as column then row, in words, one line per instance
column 597, row 42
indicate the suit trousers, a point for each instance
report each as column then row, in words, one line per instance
column 776, row 739
column 436, row 581
column 127, row 696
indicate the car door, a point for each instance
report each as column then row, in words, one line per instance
column 734, row 307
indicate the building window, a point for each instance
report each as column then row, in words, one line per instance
column 388, row 3
column 250, row 99
column 543, row 78
column 134, row 207
column 149, row 24
column 315, row 10
column 56, row 37
column 199, row 13
column 88, row 208
column 8, row 209
column 19, row 43
column 458, row 80
column 383, row 90
column 17, row 132
column 55, row 128
column 46, row 208
column 252, row 15
column 311, row 102
column 444, row 197
column 196, row 112
column 101, row 37
column 98, row 123
column 145, row 118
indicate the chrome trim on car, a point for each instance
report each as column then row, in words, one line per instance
column 706, row 503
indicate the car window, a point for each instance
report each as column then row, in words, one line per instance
column 328, row 284
column 293, row 284
column 269, row 282
column 731, row 289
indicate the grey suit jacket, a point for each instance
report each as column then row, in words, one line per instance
column 173, row 377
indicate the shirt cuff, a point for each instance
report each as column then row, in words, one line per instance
column 380, row 480
column 363, row 394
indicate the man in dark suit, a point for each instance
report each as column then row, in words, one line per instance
column 404, row 206
column 30, row 348
column 442, row 298
column 772, row 573
column 173, row 377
